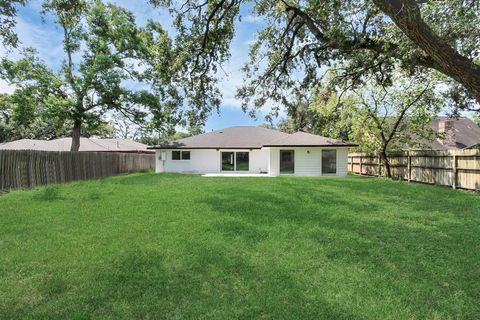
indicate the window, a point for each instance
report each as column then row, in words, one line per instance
column 175, row 155
column 180, row 155
column 329, row 161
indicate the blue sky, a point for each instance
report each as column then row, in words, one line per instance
column 46, row 38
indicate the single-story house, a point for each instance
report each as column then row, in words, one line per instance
column 86, row 145
column 256, row 150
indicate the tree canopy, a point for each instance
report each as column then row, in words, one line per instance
column 364, row 40
column 105, row 53
column 20, row 123
column 8, row 13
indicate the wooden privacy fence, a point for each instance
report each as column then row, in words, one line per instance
column 29, row 168
column 455, row 168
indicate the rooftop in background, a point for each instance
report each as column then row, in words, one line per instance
column 458, row 133
column 86, row 144
column 250, row 137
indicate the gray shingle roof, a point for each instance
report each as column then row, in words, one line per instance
column 249, row 137
column 308, row 140
column 465, row 134
column 86, row 144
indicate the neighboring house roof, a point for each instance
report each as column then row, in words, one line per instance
column 86, row 144
column 249, row 137
column 458, row 133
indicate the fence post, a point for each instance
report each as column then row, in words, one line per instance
column 454, row 171
column 351, row 163
column 379, row 166
column 409, row 167
column 361, row 164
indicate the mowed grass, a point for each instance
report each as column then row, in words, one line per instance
column 188, row 247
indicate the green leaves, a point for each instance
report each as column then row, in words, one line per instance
column 8, row 13
column 300, row 40
column 111, row 66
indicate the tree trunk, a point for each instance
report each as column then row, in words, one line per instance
column 386, row 163
column 77, row 126
column 406, row 15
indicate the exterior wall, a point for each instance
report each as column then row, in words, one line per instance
column 274, row 163
column 308, row 163
column 342, row 161
column 201, row 161
column 263, row 160
column 208, row 161
column 259, row 160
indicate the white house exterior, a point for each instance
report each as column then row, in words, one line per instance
column 258, row 150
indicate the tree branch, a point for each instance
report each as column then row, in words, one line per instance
column 406, row 15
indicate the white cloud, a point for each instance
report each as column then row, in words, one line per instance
column 45, row 38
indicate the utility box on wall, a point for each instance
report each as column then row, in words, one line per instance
column 163, row 156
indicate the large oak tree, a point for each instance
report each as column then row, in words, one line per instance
column 364, row 40
column 110, row 65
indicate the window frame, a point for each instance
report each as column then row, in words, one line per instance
column 234, row 154
column 248, row 160
column 185, row 152
column 181, row 155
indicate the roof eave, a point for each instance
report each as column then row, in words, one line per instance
column 187, row 147
column 311, row 145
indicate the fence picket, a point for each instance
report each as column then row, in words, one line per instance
column 455, row 168
column 29, row 168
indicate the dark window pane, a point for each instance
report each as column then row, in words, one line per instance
column 227, row 161
column 185, row 155
column 329, row 161
column 287, row 161
column 175, row 155
column 242, row 161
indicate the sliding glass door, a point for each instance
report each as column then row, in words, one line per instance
column 241, row 161
column 235, row 161
column 228, row 163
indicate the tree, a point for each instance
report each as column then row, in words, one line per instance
column 395, row 118
column 359, row 38
column 150, row 138
column 381, row 119
column 6, row 112
column 104, row 50
column 8, row 13
column 321, row 111
column 17, row 123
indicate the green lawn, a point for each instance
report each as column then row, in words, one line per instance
column 178, row 246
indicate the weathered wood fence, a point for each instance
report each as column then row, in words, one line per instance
column 455, row 168
column 29, row 168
